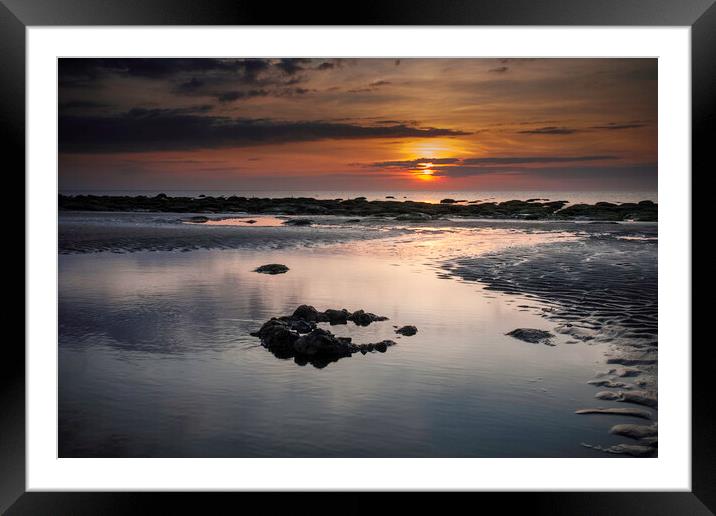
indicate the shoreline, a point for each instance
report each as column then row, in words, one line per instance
column 407, row 211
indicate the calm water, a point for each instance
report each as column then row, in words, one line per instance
column 156, row 360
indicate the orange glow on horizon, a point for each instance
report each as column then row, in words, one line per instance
column 425, row 175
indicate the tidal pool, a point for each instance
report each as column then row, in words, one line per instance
column 156, row 360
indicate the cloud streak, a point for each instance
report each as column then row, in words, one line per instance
column 550, row 130
column 142, row 130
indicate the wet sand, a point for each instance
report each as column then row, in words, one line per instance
column 599, row 289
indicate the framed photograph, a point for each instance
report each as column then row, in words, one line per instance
column 426, row 249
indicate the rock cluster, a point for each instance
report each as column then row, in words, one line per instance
column 298, row 336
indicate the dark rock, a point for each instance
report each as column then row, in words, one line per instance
column 323, row 342
column 277, row 334
column 301, row 326
column 448, row 201
column 383, row 345
column 307, row 313
column 407, row 330
column 272, row 268
column 531, row 335
column 414, row 217
column 337, row 316
column 362, row 318
column 197, row 219
column 298, row 222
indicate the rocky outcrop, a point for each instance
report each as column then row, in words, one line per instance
column 403, row 210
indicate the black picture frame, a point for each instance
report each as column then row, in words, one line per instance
column 17, row 15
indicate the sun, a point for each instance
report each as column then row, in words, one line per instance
column 424, row 172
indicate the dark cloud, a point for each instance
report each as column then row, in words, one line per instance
column 143, row 113
column 496, row 162
column 291, row 66
column 395, row 122
column 191, row 86
column 373, row 86
column 84, row 71
column 517, row 160
column 230, row 96
column 82, row 104
column 550, row 130
column 192, row 74
column 617, row 126
column 140, row 130
column 643, row 175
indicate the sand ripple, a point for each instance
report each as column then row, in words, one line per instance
column 602, row 288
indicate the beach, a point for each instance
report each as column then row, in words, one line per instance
column 157, row 310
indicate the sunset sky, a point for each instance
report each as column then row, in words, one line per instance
column 358, row 124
